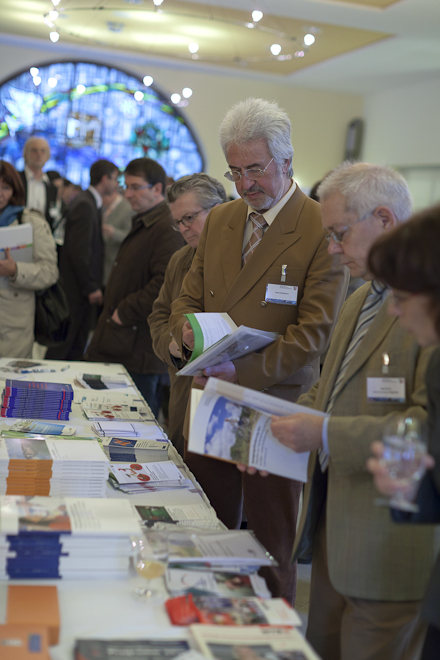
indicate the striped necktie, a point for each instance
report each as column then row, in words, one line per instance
column 259, row 224
column 371, row 306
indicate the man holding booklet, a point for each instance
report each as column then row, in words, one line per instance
column 291, row 286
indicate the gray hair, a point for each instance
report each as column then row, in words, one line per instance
column 256, row 119
column 208, row 191
column 29, row 141
column 366, row 186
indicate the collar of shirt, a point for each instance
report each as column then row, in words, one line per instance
column 31, row 176
column 272, row 213
column 96, row 195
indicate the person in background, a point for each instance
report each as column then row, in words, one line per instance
column 67, row 191
column 117, row 215
column 190, row 199
column 40, row 192
column 408, row 261
column 81, row 260
column 20, row 280
column 273, row 234
column 122, row 334
column 368, row 575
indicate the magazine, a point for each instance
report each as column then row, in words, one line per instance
column 184, row 610
column 42, row 428
column 217, row 339
column 180, row 581
column 232, row 423
column 251, row 642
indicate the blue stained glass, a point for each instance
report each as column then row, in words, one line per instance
column 90, row 112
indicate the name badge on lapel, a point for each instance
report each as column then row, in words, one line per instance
column 280, row 292
column 386, row 389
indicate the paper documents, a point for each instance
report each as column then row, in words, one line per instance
column 217, row 339
column 18, row 239
column 232, row 423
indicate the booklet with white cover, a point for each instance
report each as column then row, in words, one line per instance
column 19, row 239
column 232, row 423
column 217, row 339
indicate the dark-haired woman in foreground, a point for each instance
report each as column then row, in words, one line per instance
column 408, row 261
column 17, row 292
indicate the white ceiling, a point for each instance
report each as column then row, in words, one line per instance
column 410, row 54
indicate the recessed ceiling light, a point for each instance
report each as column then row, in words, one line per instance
column 275, row 49
column 309, row 39
column 187, row 92
column 54, row 36
column 52, row 82
column 36, row 80
column 139, row 96
column 34, row 71
column 257, row 15
column 193, row 47
column 80, row 89
column 148, row 80
column 53, row 14
column 175, row 98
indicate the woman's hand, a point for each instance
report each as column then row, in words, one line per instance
column 8, row 267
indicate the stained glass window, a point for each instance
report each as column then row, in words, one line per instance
column 89, row 111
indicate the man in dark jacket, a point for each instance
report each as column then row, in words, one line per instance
column 82, row 260
column 122, row 334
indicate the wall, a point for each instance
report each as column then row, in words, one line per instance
column 319, row 119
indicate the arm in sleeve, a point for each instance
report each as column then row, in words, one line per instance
column 302, row 343
column 78, row 245
column 428, row 500
column 350, row 437
column 137, row 306
column 43, row 271
column 159, row 319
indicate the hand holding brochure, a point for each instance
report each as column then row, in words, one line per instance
column 19, row 239
column 217, row 339
column 232, row 423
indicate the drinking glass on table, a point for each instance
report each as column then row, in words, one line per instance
column 150, row 560
column 405, row 448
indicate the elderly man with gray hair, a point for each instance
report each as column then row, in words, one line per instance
column 41, row 194
column 368, row 574
column 190, row 200
column 272, row 236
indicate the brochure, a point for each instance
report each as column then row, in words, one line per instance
column 185, row 514
column 141, row 649
column 232, row 423
column 180, row 581
column 19, row 239
column 217, row 339
column 185, row 610
column 102, row 412
column 31, row 426
column 265, row 642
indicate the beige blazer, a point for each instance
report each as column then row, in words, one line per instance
column 216, row 282
column 159, row 324
column 369, row 556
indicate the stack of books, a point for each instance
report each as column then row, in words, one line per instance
column 76, row 538
column 52, row 467
column 127, row 450
column 37, row 400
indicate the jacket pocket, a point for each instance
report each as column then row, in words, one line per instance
column 118, row 340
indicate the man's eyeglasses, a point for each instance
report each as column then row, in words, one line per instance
column 135, row 187
column 338, row 236
column 187, row 220
column 234, row 175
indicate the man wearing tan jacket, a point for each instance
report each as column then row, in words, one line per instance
column 368, row 574
column 271, row 236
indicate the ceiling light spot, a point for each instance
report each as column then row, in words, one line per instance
column 48, row 22
column 175, row 98
column 53, row 14
column 257, row 15
column 36, row 80
column 56, row 2
column 148, row 80
column 275, row 49
column 52, row 82
column 54, row 36
column 34, row 71
column 80, row 89
column 299, row 53
column 139, row 96
column 309, row 39
column 193, row 47
column 187, row 92
column 157, row 3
